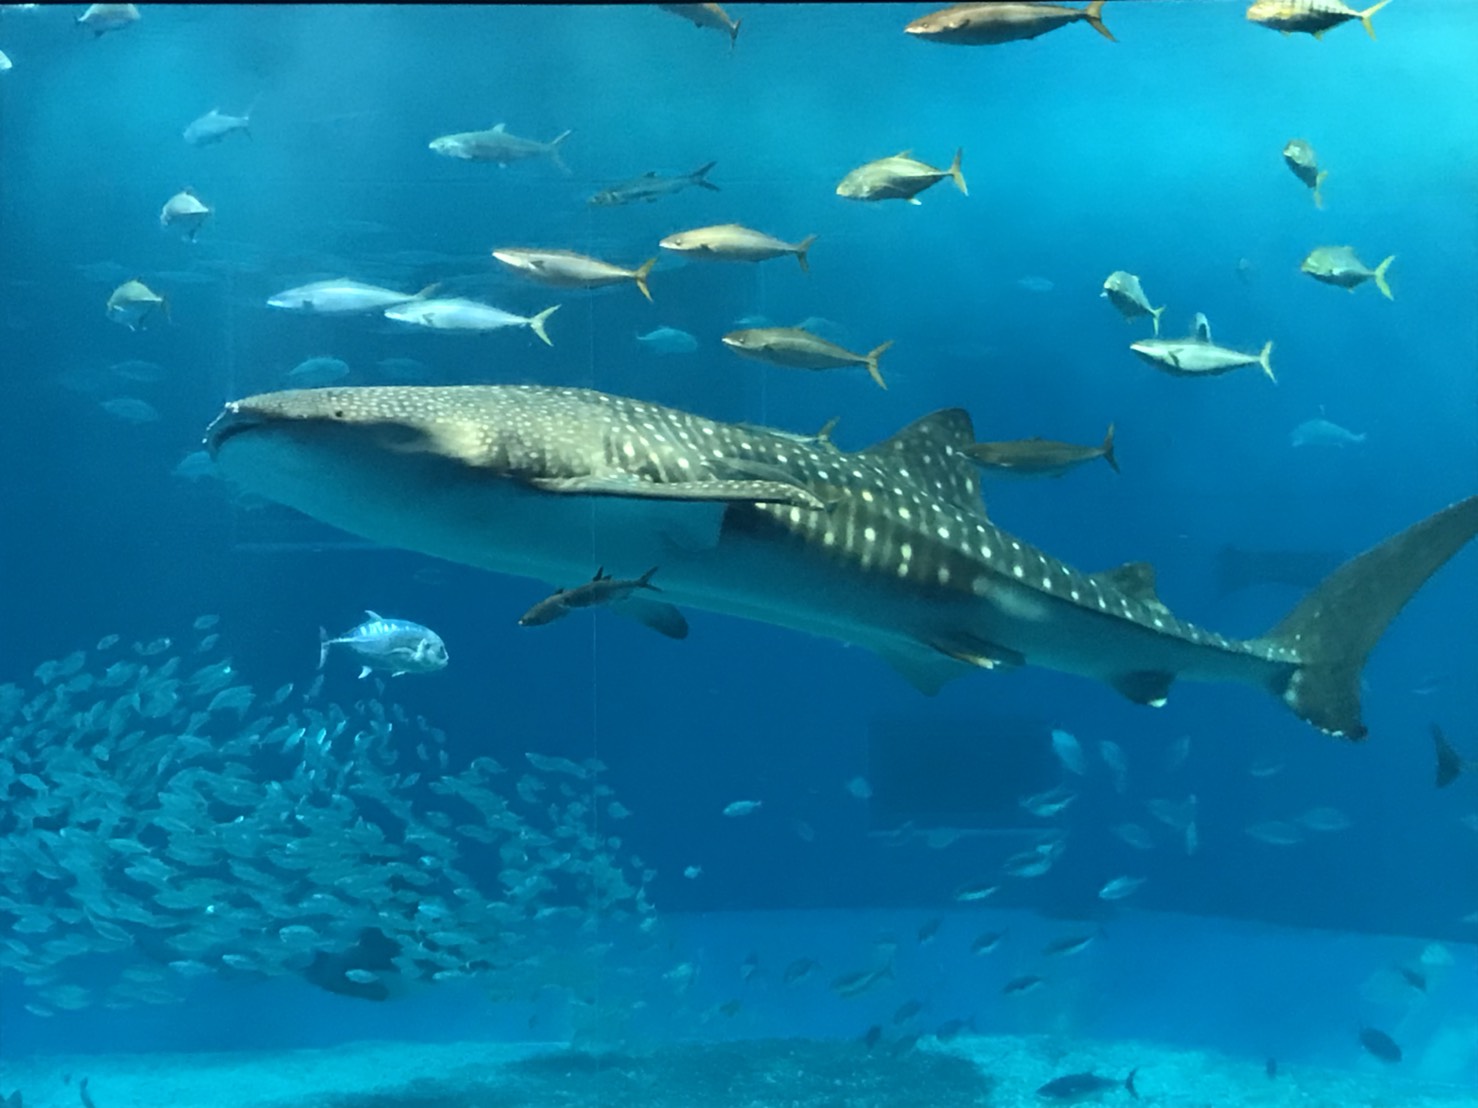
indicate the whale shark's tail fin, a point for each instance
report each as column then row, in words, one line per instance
column 1329, row 634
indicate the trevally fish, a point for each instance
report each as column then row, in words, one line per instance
column 668, row 340
column 1312, row 17
column 1321, row 432
column 567, row 270
column 795, row 348
column 1304, row 162
column 730, row 242
column 1039, row 457
column 497, row 145
column 397, row 646
column 134, row 303
column 467, row 315
column 651, row 186
column 898, row 177
column 996, row 21
column 619, row 594
column 185, row 211
column 1338, row 266
column 1081, row 1086
column 1195, row 356
column 215, row 125
column 707, row 16
column 341, row 296
column 102, row 18
column 888, row 547
column 1123, row 291
column 321, row 370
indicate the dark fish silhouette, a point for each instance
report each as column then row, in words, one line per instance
column 1380, row 1044
column 619, row 594
column 1076, row 1086
column 1450, row 764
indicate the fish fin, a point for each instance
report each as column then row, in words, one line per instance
column 1329, row 633
column 1151, row 687
column 1108, row 448
column 641, row 277
column 824, row 435
column 323, row 642
column 748, row 471
column 660, row 617
column 954, row 172
column 373, row 615
column 935, row 450
column 734, row 33
column 1135, row 580
column 364, row 671
column 976, row 652
column 699, row 177
column 1380, row 277
column 1449, row 763
column 425, row 293
column 802, row 250
column 915, row 201
column 645, row 580
column 1129, row 1083
column 537, row 323
column 717, row 490
column 498, row 128
column 1367, row 13
column 554, row 151
column 926, row 669
column 1319, row 184
column 872, row 364
column 1265, row 359
column 1155, row 314
column 1093, row 13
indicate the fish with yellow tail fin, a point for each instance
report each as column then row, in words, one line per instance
column 134, row 303
column 729, row 242
column 1339, row 266
column 1310, row 17
column 1123, row 291
column 899, row 177
column 995, row 22
column 888, row 548
column 794, row 348
column 1300, row 157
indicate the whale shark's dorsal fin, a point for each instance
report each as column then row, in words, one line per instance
column 932, row 452
column 1135, row 580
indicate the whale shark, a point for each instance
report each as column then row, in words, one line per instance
column 889, row 547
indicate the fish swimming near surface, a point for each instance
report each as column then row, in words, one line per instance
column 1198, row 356
column 497, row 145
column 1321, row 432
column 1124, row 292
column 341, row 296
column 651, row 187
column 619, row 595
column 134, row 303
column 102, row 18
column 888, row 547
column 469, row 316
column 730, row 242
column 1338, row 266
column 899, row 177
column 795, row 348
column 1312, row 17
column 397, row 646
column 1304, row 162
column 1082, row 1086
column 992, row 23
column 1238, row 568
column 567, row 270
column 707, row 16
column 215, row 125
column 1039, row 457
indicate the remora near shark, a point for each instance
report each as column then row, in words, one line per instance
column 888, row 547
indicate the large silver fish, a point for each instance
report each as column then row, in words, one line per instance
column 889, row 547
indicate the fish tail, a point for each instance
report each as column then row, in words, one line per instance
column 954, row 172
column 1319, row 184
column 1094, row 15
column 802, row 250
column 1265, row 359
column 1108, row 448
column 699, row 177
column 1449, row 763
column 872, row 364
column 734, row 32
column 641, row 277
column 645, row 580
column 554, row 151
column 1129, row 1083
column 426, row 292
column 537, row 323
column 1155, row 314
column 1367, row 13
column 1380, row 277
column 323, row 645
column 1328, row 635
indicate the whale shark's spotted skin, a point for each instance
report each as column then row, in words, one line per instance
column 889, row 547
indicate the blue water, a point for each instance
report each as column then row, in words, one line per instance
column 1158, row 154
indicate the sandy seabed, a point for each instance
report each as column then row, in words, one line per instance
column 992, row 1071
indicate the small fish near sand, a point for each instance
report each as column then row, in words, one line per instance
column 619, row 594
column 1304, row 163
column 993, row 23
column 1075, row 1087
column 134, row 303
column 1123, row 291
column 1339, row 266
column 794, row 348
column 1038, row 457
column 899, row 177
column 707, row 17
column 567, row 270
column 496, row 144
column 185, row 212
column 396, row 646
column 729, row 242
column 467, row 316
column 652, row 186
column 1310, row 17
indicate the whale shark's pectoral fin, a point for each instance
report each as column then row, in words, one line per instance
column 660, row 617
column 728, row 491
column 928, row 666
column 1150, row 687
column 978, row 652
